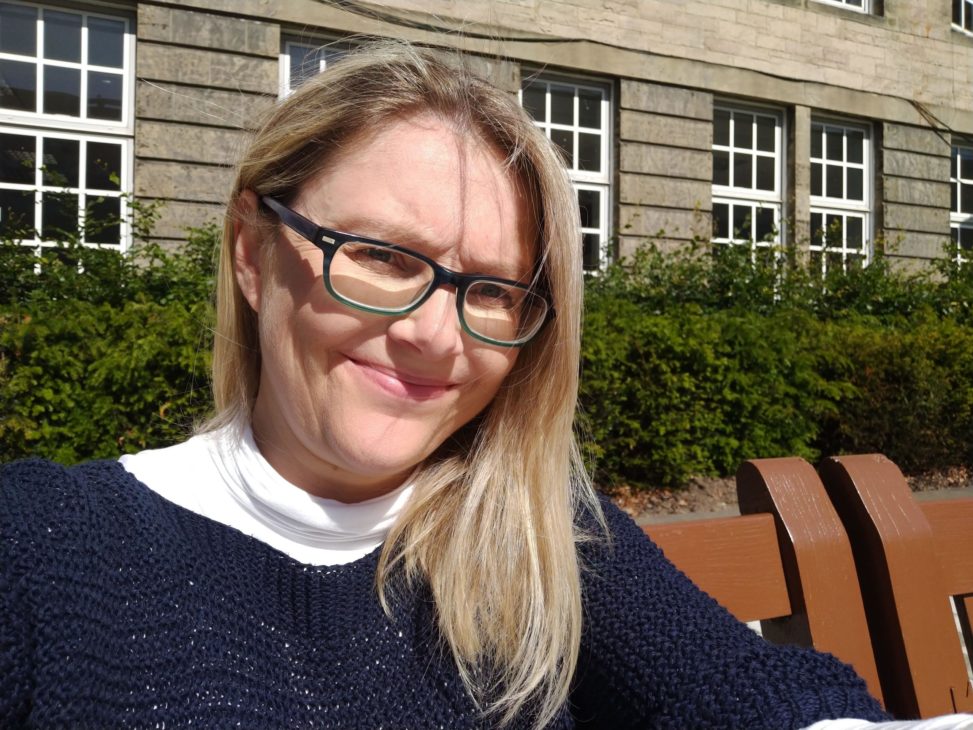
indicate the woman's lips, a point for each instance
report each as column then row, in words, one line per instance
column 402, row 384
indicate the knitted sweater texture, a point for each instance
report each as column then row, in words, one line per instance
column 120, row 609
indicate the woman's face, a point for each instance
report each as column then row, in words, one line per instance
column 350, row 402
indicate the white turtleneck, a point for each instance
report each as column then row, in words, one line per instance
column 224, row 477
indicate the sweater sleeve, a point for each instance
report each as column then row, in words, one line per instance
column 658, row 652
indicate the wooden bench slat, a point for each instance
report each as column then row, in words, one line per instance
column 951, row 521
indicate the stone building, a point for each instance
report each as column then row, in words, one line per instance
column 831, row 126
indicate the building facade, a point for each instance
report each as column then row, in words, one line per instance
column 829, row 126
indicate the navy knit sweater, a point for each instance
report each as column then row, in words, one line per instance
column 120, row 609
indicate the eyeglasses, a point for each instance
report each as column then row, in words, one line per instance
column 385, row 278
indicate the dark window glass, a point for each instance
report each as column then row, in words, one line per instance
column 766, row 138
column 721, row 220
column 835, row 261
column 966, row 198
column 966, row 164
column 59, row 215
column 16, row 159
column 954, row 234
column 817, row 134
column 18, row 85
column 592, row 250
column 855, row 184
column 817, row 229
column 103, row 166
column 103, row 220
column 62, row 91
column 62, row 36
column 104, row 96
column 953, row 158
column 816, row 179
column 589, row 204
column 742, row 170
column 954, row 197
column 854, row 237
column 765, row 173
column 721, row 167
column 533, row 100
column 721, row 127
column 966, row 238
column 304, row 63
column 856, row 3
column 817, row 262
column 105, row 42
column 589, row 109
column 17, row 213
column 834, row 181
column 743, row 131
column 742, row 219
column 856, row 147
column 968, row 17
column 589, row 151
column 765, row 225
column 957, row 11
column 564, row 139
column 562, row 104
column 834, row 145
column 18, row 29
column 832, row 231
column 60, row 158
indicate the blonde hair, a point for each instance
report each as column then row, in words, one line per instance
column 491, row 527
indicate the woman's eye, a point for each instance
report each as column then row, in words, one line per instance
column 493, row 295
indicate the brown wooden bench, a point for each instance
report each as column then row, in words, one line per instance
column 787, row 562
column 913, row 558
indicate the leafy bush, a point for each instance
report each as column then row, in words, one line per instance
column 102, row 353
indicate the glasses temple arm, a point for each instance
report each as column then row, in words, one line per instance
column 295, row 221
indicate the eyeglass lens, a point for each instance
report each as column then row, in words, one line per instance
column 390, row 280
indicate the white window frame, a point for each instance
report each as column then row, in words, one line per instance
column 843, row 207
column 963, row 16
column 584, row 180
column 327, row 50
column 59, row 126
column 865, row 8
column 962, row 187
column 735, row 196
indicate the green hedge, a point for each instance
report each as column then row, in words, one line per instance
column 691, row 362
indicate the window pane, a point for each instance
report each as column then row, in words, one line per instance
column 743, row 131
column 589, row 203
column 721, row 220
column 853, row 233
column 966, row 164
column 104, row 95
column 564, row 140
column 817, row 229
column 856, row 146
column 834, row 144
column 742, row 170
column 59, row 216
column 103, row 166
column 533, row 99
column 835, row 187
column 954, row 197
column 17, row 213
column 303, row 61
column 721, row 167
column 18, row 29
column 816, row 179
column 766, row 137
column 62, row 36
column 855, row 184
column 103, row 220
column 16, row 159
column 765, row 173
column 589, row 108
column 589, row 151
column 953, row 162
column 592, row 250
column 742, row 217
column 721, row 127
column 105, row 42
column 562, row 104
column 957, row 11
column 835, row 262
column 18, row 86
column 832, row 231
column 765, row 225
column 966, row 198
column 966, row 238
column 62, row 91
column 817, row 133
column 60, row 158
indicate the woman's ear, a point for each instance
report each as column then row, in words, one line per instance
column 246, row 248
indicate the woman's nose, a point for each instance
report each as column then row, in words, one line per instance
column 434, row 328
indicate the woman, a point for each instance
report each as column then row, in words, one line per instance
column 387, row 523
